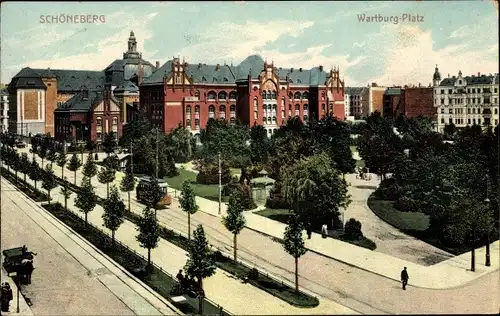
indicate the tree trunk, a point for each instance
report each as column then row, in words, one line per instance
column 35, row 185
column 200, row 296
column 74, row 178
column 189, row 226
column 25, row 178
column 48, row 195
column 343, row 175
column 62, row 172
column 107, row 190
column 235, row 248
column 85, row 219
column 473, row 252
column 129, row 210
column 113, row 237
column 296, row 274
column 65, row 203
column 149, row 257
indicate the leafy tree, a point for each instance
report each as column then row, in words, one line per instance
column 106, row 176
column 89, row 168
column 112, row 162
column 180, row 144
column 14, row 161
column 294, row 245
column 187, row 200
column 352, row 230
column 149, row 231
column 135, row 130
column 449, row 131
column 259, row 144
column 74, row 165
column 128, row 184
column 35, row 172
column 153, row 193
column 43, row 149
column 86, row 199
column 145, row 161
column 61, row 162
column 66, row 192
column 315, row 190
column 25, row 165
column 201, row 261
column 109, row 143
column 235, row 220
column 49, row 180
column 114, row 211
column 209, row 173
column 52, row 155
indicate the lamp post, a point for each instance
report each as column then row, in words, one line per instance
column 220, row 185
column 487, row 201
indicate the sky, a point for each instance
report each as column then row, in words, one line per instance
column 455, row 35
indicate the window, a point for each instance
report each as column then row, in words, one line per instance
column 222, row 95
column 188, row 123
column 188, row 110
column 468, row 121
column 442, row 101
column 468, row 111
column 496, row 90
column 474, row 111
column 459, row 81
column 222, row 111
column 255, row 102
column 442, row 91
column 450, row 121
column 269, row 95
column 468, row 90
column 305, row 95
column 211, row 111
column 275, row 107
column 197, row 93
column 274, row 119
column 233, row 120
column 115, row 122
column 99, row 123
column 297, row 110
column 323, row 108
column 255, row 114
column 197, row 123
column 265, row 120
column 306, row 118
column 473, row 90
column 442, row 111
column 233, row 110
column 442, row 121
column 450, row 91
column 99, row 135
column 486, row 100
column 273, row 95
column 496, row 122
column 297, row 96
column 232, row 95
column 283, row 113
column 474, row 121
column 212, row 95
column 479, row 121
column 264, row 95
column 306, row 107
column 269, row 119
column 496, row 111
column 450, row 111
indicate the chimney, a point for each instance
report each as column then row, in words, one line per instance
column 300, row 69
column 217, row 67
column 479, row 74
column 199, row 66
column 157, row 64
column 320, row 67
column 291, row 69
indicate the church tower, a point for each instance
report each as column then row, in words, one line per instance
column 132, row 48
column 436, row 79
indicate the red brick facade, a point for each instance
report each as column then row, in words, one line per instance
column 419, row 101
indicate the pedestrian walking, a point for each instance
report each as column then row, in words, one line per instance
column 324, row 230
column 309, row 232
column 6, row 297
column 404, row 278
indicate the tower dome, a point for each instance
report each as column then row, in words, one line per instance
column 437, row 75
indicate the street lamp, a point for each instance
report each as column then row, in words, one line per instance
column 487, row 201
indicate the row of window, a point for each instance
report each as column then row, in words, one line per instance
column 486, row 100
column 469, row 111
column 99, row 122
column 460, row 121
column 221, row 96
column 197, row 122
column 211, row 109
column 471, row 90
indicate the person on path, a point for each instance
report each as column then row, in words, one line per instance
column 29, row 270
column 6, row 297
column 309, row 232
column 404, row 278
column 324, row 231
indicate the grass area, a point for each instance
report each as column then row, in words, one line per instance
column 401, row 220
column 208, row 191
column 155, row 278
column 282, row 215
column 25, row 187
column 265, row 283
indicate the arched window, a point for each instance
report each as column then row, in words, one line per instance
column 233, row 108
column 275, row 107
column 264, row 95
column 269, row 96
column 197, row 93
column 232, row 95
column 265, row 120
column 273, row 95
column 211, row 111
column 269, row 119
column 290, row 95
column 99, row 122
column 222, row 111
column 212, row 95
column 305, row 95
column 115, row 122
column 197, row 109
column 297, row 96
column 265, row 107
column 197, row 123
column 274, row 119
column 222, row 95
column 188, row 123
column 255, row 102
column 297, row 110
column 188, row 110
column 323, row 108
column 306, row 107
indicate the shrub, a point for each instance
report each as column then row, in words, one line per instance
column 253, row 274
column 352, row 230
column 275, row 199
column 388, row 190
column 209, row 174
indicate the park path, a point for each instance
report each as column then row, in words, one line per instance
column 346, row 284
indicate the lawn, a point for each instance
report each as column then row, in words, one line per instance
column 282, row 215
column 208, row 191
column 402, row 220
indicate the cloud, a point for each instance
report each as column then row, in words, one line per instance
column 356, row 44
column 409, row 57
column 39, row 37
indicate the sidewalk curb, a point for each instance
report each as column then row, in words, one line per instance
column 111, row 261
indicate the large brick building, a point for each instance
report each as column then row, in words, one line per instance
column 254, row 92
column 410, row 102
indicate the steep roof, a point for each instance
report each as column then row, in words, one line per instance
column 353, row 90
column 127, row 86
column 67, row 80
column 252, row 65
column 471, row 80
column 78, row 103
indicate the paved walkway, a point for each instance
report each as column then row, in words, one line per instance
column 71, row 277
column 244, row 298
column 24, row 309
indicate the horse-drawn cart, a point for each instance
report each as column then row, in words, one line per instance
column 17, row 259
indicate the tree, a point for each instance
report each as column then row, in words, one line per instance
column 153, row 194
column 89, row 168
column 235, row 220
column 114, row 211
column 66, row 192
column 52, row 155
column 179, row 143
column 201, row 261
column 294, row 245
column 106, row 176
column 135, row 130
column 109, row 143
column 49, row 180
column 315, row 190
column 74, row 165
column 25, row 165
column 61, row 162
column 188, row 204
column 43, row 149
column 86, row 199
column 149, row 231
column 352, row 230
column 449, row 131
column 14, row 160
column 259, row 144
column 35, row 172
column 128, row 184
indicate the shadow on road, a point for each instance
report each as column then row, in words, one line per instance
column 370, row 187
